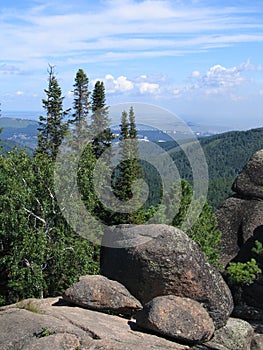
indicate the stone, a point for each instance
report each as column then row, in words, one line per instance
column 99, row 293
column 235, row 335
column 238, row 219
column 65, row 326
column 179, row 318
column 246, row 312
column 55, row 341
column 257, row 342
column 165, row 261
column 249, row 183
column 23, row 329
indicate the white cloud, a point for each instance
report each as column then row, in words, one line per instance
column 143, row 84
column 123, row 84
column 150, row 88
column 117, row 85
column 195, row 74
column 217, row 80
column 19, row 93
column 220, row 79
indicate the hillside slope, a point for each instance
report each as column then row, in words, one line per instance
column 21, row 131
column 226, row 155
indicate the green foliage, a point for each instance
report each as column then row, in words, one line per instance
column 52, row 127
column 205, row 230
column 128, row 171
column 45, row 332
column 258, row 249
column 226, row 155
column 206, row 234
column 243, row 273
column 81, row 104
column 101, row 133
column 40, row 253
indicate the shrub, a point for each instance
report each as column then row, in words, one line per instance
column 243, row 273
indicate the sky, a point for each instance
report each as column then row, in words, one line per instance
column 201, row 60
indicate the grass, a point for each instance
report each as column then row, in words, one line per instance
column 29, row 306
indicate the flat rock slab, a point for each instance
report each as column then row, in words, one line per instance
column 65, row 326
column 99, row 293
column 179, row 318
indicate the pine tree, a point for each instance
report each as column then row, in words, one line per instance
column 52, row 127
column 129, row 169
column 101, row 133
column 81, row 103
column 123, row 177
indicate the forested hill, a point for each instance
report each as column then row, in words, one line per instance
column 226, row 155
column 18, row 132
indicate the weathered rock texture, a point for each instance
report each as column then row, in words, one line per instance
column 179, row 318
column 238, row 219
column 165, row 261
column 62, row 327
column 235, row 335
column 250, row 182
column 99, row 293
column 257, row 342
column 240, row 215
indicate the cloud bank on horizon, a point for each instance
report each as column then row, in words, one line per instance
column 200, row 59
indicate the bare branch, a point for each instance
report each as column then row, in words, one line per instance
column 35, row 216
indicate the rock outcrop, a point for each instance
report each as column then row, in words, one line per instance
column 99, row 293
column 238, row 220
column 179, row 318
column 53, row 325
column 165, row 261
column 240, row 215
column 249, row 183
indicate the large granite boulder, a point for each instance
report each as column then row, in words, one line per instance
column 179, row 318
column 240, row 215
column 54, row 325
column 249, row 183
column 238, row 219
column 99, row 293
column 165, row 261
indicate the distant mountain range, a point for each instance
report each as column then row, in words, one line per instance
column 21, row 132
column 226, row 153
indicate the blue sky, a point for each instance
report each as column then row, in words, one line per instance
column 199, row 59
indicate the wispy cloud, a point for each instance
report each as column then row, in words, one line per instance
column 119, row 30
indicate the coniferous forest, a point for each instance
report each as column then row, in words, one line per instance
column 40, row 253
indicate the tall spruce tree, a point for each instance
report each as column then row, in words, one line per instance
column 52, row 127
column 129, row 169
column 101, row 133
column 81, row 104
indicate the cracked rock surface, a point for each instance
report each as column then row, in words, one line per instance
column 52, row 324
